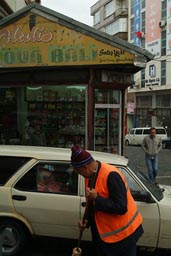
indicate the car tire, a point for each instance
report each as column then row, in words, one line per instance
column 13, row 237
column 127, row 143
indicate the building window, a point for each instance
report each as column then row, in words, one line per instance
column 119, row 25
column 110, row 29
column 163, row 72
column 132, row 7
column 143, row 29
column 143, row 4
column 132, row 30
column 109, row 9
column 97, row 18
column 143, row 78
column 164, row 10
column 163, row 43
column 144, row 101
column 163, row 100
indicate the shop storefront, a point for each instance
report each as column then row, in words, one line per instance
column 62, row 82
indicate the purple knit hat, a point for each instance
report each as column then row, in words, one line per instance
column 80, row 157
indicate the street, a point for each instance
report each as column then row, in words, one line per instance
column 54, row 247
column 137, row 158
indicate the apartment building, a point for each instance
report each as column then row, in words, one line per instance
column 111, row 17
column 7, row 7
column 147, row 24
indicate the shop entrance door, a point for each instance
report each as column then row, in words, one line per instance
column 107, row 122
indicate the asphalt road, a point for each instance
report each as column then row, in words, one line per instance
column 61, row 247
column 136, row 157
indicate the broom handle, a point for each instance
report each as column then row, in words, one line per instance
column 85, row 216
column 92, row 183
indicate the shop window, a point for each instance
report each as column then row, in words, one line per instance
column 8, row 116
column 56, row 116
column 107, row 97
column 106, row 119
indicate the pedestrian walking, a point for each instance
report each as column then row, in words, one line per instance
column 151, row 145
column 114, row 219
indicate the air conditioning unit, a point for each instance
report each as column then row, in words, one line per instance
column 162, row 23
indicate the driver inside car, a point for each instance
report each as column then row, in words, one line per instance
column 47, row 182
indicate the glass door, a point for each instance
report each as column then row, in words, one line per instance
column 107, row 121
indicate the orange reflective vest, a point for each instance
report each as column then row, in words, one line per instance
column 114, row 227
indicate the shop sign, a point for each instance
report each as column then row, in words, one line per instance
column 153, row 80
column 101, row 105
column 130, row 107
column 116, row 77
column 37, row 41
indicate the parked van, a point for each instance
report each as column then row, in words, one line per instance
column 136, row 135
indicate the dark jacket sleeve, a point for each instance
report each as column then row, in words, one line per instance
column 117, row 201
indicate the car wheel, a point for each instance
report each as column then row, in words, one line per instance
column 13, row 237
column 127, row 143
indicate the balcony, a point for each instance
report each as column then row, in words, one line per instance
column 121, row 12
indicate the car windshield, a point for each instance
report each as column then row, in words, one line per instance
column 154, row 189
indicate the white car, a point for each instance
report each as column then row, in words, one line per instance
column 41, row 195
column 136, row 135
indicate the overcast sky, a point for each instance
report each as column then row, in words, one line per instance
column 76, row 9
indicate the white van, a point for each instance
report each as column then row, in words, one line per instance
column 136, row 135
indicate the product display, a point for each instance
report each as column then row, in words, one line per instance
column 8, row 117
column 106, row 129
column 62, row 122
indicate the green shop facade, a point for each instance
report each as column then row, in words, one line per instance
column 63, row 82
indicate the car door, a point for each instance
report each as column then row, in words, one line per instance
column 149, row 211
column 49, row 213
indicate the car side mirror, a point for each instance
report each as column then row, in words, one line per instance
column 143, row 196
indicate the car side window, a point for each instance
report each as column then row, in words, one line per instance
column 138, row 131
column 160, row 131
column 131, row 182
column 146, row 131
column 56, row 178
column 132, row 132
column 9, row 166
column 50, row 177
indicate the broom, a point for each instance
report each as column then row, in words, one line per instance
column 77, row 251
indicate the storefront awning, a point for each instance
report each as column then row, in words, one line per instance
column 38, row 37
